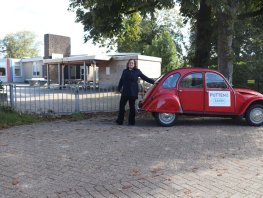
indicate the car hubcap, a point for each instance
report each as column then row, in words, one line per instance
column 256, row 115
column 167, row 118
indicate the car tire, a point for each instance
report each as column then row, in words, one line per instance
column 254, row 115
column 166, row 119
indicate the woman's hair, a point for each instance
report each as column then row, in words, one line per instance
column 135, row 64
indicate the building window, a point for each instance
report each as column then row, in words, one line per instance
column 2, row 72
column 107, row 71
column 82, row 72
column 17, row 69
column 36, row 69
column 73, row 72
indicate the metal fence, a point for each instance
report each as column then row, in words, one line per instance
column 59, row 99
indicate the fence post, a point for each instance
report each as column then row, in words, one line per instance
column 12, row 102
column 76, row 92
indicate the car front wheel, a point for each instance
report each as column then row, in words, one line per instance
column 166, row 119
column 254, row 115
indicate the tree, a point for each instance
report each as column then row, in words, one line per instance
column 200, row 14
column 134, row 25
column 203, row 35
column 140, row 31
column 163, row 46
column 2, row 49
column 138, row 35
column 225, row 14
column 248, row 48
column 151, row 36
column 171, row 21
column 20, row 45
column 129, row 39
column 105, row 18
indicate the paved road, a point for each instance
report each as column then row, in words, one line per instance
column 200, row 157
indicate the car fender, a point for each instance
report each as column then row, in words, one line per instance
column 168, row 103
column 247, row 105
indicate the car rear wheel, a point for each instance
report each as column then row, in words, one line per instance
column 254, row 115
column 166, row 119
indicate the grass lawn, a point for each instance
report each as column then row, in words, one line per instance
column 9, row 117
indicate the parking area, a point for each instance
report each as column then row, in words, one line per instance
column 198, row 157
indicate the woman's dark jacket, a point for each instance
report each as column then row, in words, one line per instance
column 128, row 84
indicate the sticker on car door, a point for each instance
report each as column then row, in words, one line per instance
column 219, row 98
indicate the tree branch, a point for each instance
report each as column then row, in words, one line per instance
column 250, row 14
column 142, row 7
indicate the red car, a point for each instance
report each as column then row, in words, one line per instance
column 200, row 91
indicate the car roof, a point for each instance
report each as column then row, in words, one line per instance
column 185, row 70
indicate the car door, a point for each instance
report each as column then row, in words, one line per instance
column 191, row 93
column 219, row 96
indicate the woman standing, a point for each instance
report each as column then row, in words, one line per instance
column 128, row 86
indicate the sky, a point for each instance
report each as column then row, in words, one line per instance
column 44, row 17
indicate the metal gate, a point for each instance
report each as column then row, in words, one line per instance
column 60, row 99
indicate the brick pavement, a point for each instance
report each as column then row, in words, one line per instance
column 199, row 157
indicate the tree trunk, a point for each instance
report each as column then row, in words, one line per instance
column 224, row 41
column 203, row 35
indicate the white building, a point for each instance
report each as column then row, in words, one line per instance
column 104, row 69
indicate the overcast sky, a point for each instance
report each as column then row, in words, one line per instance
column 42, row 17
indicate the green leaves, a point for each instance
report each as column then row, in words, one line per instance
column 163, row 46
column 105, row 19
column 128, row 40
column 20, row 45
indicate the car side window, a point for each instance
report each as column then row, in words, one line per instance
column 194, row 80
column 214, row 81
column 171, row 81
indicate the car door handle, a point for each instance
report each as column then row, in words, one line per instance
column 180, row 90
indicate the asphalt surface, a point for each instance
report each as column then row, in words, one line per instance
column 198, row 157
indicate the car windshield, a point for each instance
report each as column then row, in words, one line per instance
column 158, row 79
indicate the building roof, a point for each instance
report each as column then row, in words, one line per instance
column 78, row 59
column 100, row 57
column 24, row 60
